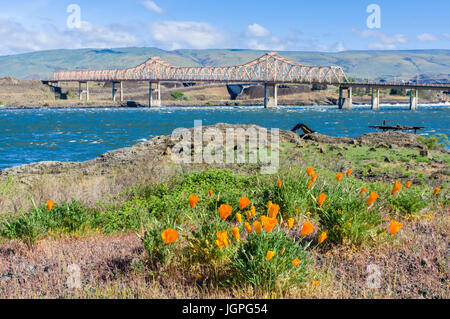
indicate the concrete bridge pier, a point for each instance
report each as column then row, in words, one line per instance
column 270, row 102
column 154, row 102
column 375, row 99
column 114, row 91
column 81, row 91
column 345, row 103
column 413, row 99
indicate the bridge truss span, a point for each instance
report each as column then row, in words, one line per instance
column 270, row 68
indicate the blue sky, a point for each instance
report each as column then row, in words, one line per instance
column 31, row 25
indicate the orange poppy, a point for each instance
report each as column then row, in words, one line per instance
column 248, row 228
column 363, row 190
column 210, row 193
column 436, row 191
column 219, row 244
column 253, row 211
column 280, row 183
column 339, row 176
column 273, row 210
column 307, row 229
column 270, row 255
column 310, row 184
column 50, row 205
column 314, row 177
column 239, row 218
column 309, row 170
column 193, row 200
column 269, row 224
column 236, row 234
column 257, row 227
column 316, row 282
column 349, row 172
column 321, row 199
column 243, row 203
column 290, row 223
column 394, row 227
column 222, row 237
column 397, row 188
column 169, row 235
column 372, row 198
column 225, row 211
column 408, row 184
column 322, row 237
column 296, row 262
column 269, row 203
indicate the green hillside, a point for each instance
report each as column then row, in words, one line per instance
column 375, row 65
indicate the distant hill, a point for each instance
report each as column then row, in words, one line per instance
column 376, row 65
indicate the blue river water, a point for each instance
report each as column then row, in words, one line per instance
column 33, row 135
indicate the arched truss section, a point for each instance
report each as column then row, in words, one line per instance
column 270, row 68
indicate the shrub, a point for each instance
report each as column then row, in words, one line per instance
column 179, row 96
column 249, row 264
column 158, row 252
column 407, row 202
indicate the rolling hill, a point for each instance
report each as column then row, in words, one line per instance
column 431, row 65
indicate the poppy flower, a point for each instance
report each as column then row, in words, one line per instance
column 314, row 177
column 248, row 228
column 310, row 184
column 169, row 235
column 239, row 218
column 219, row 244
column 257, row 227
column 210, row 193
column 394, row 227
column 316, row 283
column 253, row 211
column 307, row 229
column 321, row 199
column 193, row 200
column 273, row 210
column 408, row 184
column 397, row 188
column 363, row 190
column 309, row 170
column 290, row 223
column 436, row 191
column 225, row 211
column 50, row 205
column 243, row 203
column 270, row 255
column 349, row 172
column 269, row 203
column 339, row 176
column 236, row 234
column 296, row 262
column 372, row 198
column 280, row 183
column 222, row 238
column 322, row 237
column 269, row 224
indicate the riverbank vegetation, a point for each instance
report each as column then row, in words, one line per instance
column 307, row 231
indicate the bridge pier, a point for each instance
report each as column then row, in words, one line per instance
column 413, row 99
column 270, row 102
column 154, row 102
column 375, row 99
column 81, row 91
column 345, row 103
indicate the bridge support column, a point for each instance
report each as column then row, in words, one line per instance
column 114, row 91
column 345, row 103
column 121, row 91
column 375, row 99
column 154, row 102
column 80, row 92
column 413, row 99
column 270, row 102
column 87, row 91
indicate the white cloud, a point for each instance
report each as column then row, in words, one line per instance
column 152, row 6
column 340, row 47
column 187, row 34
column 256, row 30
column 427, row 37
column 385, row 42
column 16, row 38
column 268, row 44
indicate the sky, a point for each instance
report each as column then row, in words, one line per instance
column 297, row 25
